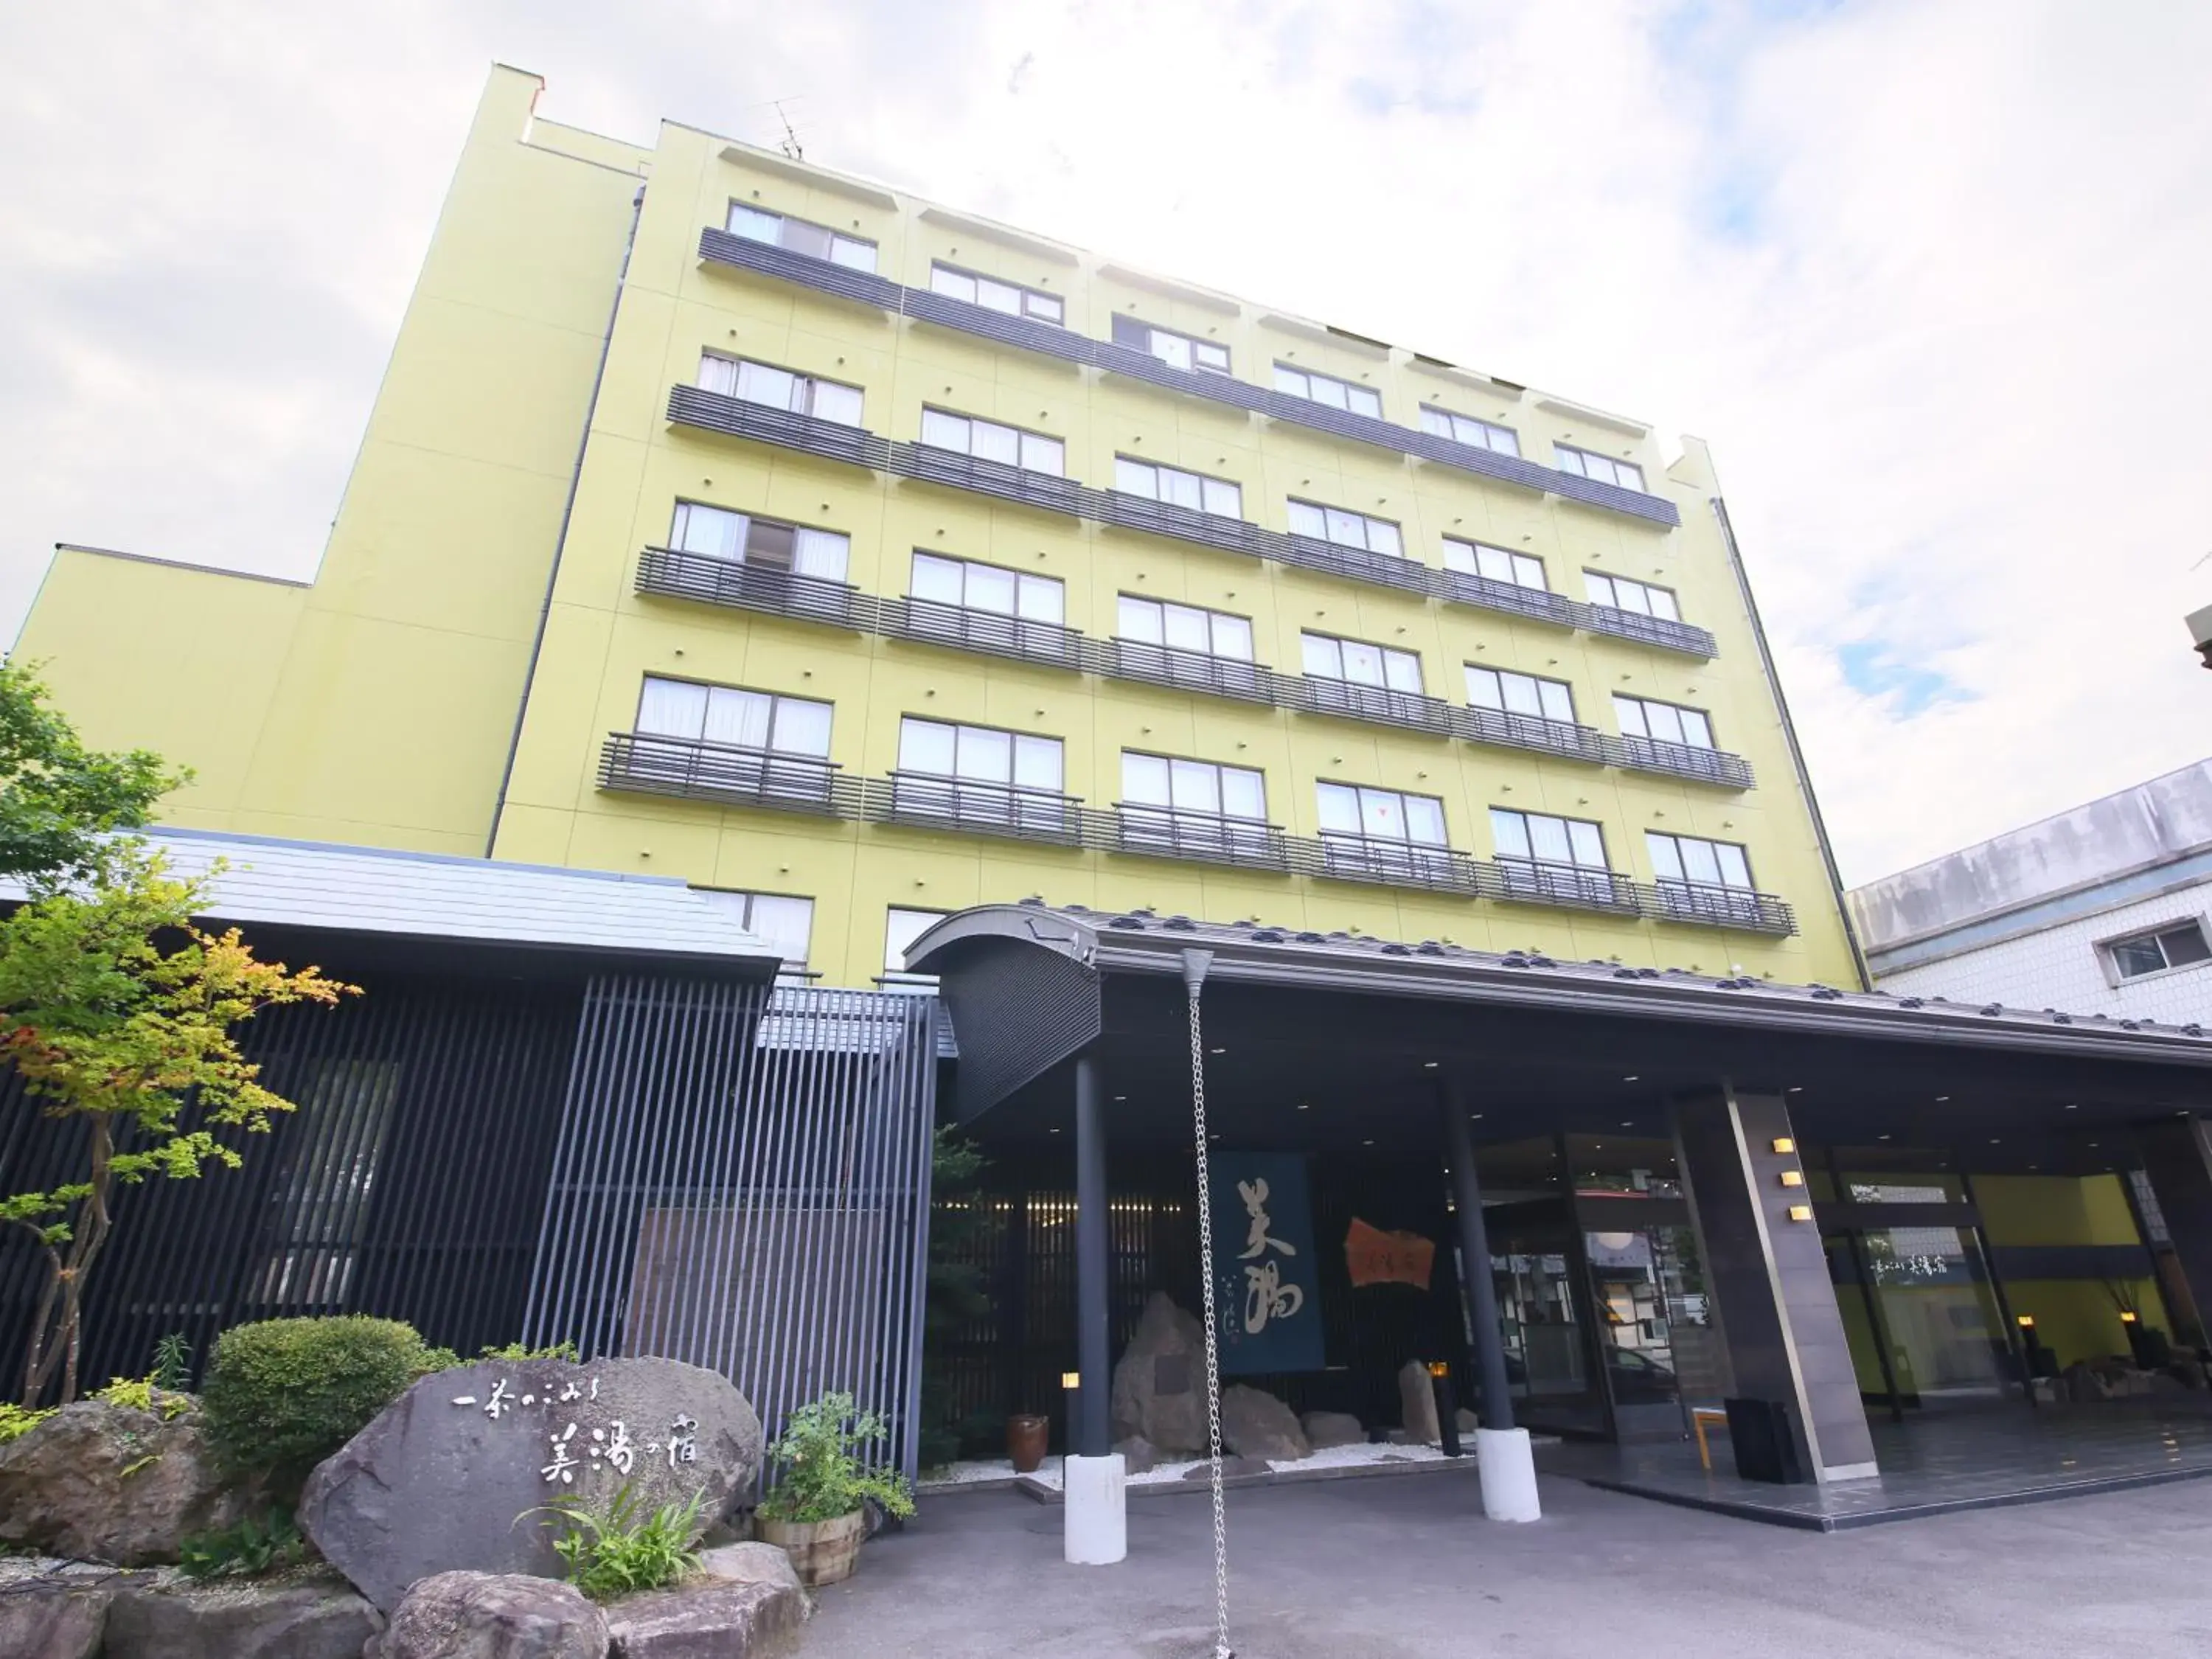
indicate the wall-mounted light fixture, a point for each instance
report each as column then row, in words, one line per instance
column 1793, row 1177
column 1783, row 1145
column 2026, row 1322
column 1070, row 1379
column 1800, row 1213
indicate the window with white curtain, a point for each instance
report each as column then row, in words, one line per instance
column 979, row 754
column 1168, row 484
column 1540, row 838
column 1588, row 464
column 1691, row 859
column 1387, row 814
column 902, row 927
column 1619, row 593
column 1345, row 528
column 1328, row 658
column 974, row 586
column 1193, row 785
column 728, row 714
column 1183, row 628
column 1662, row 722
column 785, row 923
column 1466, row 429
column 779, row 388
column 990, row 440
column 802, row 236
column 1326, row 389
column 769, row 544
column 1520, row 693
column 1495, row 564
column 993, row 295
column 1184, row 351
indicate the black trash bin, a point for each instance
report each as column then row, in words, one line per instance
column 1765, row 1450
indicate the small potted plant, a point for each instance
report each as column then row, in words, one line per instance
column 816, row 1514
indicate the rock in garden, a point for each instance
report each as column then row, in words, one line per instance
column 1468, row 1423
column 1159, row 1386
column 1139, row 1455
column 1417, row 1400
column 1325, row 1429
column 457, row 1472
column 484, row 1615
column 319, row 1618
column 52, row 1609
column 1255, row 1423
column 96, row 1482
column 710, row 1620
column 750, row 1564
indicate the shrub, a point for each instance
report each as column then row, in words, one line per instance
column 821, row 1476
column 514, row 1353
column 284, row 1394
column 244, row 1551
column 143, row 1393
column 615, row 1550
column 15, row 1422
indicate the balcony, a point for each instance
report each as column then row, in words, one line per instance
column 1711, row 906
column 1143, row 366
column 724, row 247
column 1680, row 760
column 1182, row 524
column 734, row 417
column 675, row 574
column 1540, row 603
column 637, row 762
column 1175, row 833
column 1533, row 881
column 1349, row 699
column 1501, row 729
column 1390, row 569
column 1009, row 484
column 925, row 800
column 1048, row 339
column 1648, row 630
column 934, row 622
column 1385, row 861
column 1186, row 670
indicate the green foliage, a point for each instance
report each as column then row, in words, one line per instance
column 617, row 1550
column 821, row 1475
column 955, row 1296
column 59, row 801
column 437, row 1360
column 15, row 1422
column 173, row 1363
column 282, row 1394
column 143, row 1394
column 244, row 1551
column 515, row 1352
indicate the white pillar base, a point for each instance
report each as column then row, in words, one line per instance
column 1096, row 1518
column 1507, row 1465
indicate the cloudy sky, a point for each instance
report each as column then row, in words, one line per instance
column 1931, row 276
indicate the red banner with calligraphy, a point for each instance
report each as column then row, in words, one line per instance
column 1375, row 1257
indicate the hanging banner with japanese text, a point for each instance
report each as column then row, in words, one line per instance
column 1266, row 1287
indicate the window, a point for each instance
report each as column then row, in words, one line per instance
column 724, row 714
column 987, row 587
column 1190, row 786
column 901, row 928
column 1184, row 628
column 799, row 236
column 1539, row 838
column 1334, row 523
column 1588, row 464
column 784, row 924
column 1494, row 564
column 1176, row 350
column 1361, row 664
column 981, row 774
column 1381, row 814
column 995, row 296
column 2175, row 946
column 1619, row 593
column 1520, row 693
column 1326, row 389
column 1031, row 451
column 1466, row 429
column 1662, row 722
column 779, row 388
column 1168, row 484
column 765, row 543
column 1706, row 863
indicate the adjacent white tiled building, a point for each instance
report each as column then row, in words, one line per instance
column 2106, row 909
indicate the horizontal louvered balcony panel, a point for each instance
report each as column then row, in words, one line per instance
column 1049, row 339
column 1314, row 694
column 1009, row 484
column 713, row 411
column 1502, row 729
column 1532, row 881
column 1143, row 366
column 1187, row 671
column 1680, row 760
column 1169, row 832
column 1341, row 422
column 1648, row 630
column 637, row 762
column 1515, row 468
column 924, row 800
column 965, row 628
column 1459, row 587
column 1182, row 523
column 674, row 573
column 724, row 247
column 1386, row 862
column 1709, row 905
column 1311, row 553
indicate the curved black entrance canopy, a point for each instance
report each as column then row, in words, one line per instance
column 1338, row 1040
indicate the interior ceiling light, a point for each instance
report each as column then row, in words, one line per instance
column 1305, row 1105
column 1940, row 1099
column 1632, row 1078
column 1428, row 1066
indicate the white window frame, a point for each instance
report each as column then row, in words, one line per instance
column 1220, row 628
column 1550, row 695
column 1517, row 569
column 1030, row 450
column 854, row 252
column 1031, row 598
column 1395, row 666
column 896, row 972
column 1178, row 486
column 1372, row 808
column 1608, row 591
column 1720, row 854
column 2107, row 950
column 747, row 905
column 836, row 401
column 1474, row 433
column 1575, row 845
column 1339, row 526
column 1178, row 350
column 787, row 715
column 996, row 294
column 1602, row 469
column 1634, row 715
column 1328, row 391
column 1187, row 783
column 723, row 532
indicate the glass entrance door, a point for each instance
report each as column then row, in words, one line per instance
column 1547, row 1361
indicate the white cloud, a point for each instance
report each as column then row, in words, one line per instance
column 1927, row 275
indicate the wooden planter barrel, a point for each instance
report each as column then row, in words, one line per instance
column 824, row 1551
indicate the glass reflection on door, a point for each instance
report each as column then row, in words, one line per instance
column 1547, row 1354
column 1655, row 1329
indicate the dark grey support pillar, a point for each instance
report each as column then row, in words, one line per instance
column 1770, row 1274
column 1475, row 1260
column 2177, row 1156
column 1091, row 1434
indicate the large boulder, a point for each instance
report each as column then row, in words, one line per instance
column 1159, row 1386
column 317, row 1616
column 1139, row 1455
column 707, row 1618
column 484, row 1615
column 53, row 1609
column 751, row 1564
column 96, row 1482
column 457, row 1472
column 1327, row 1429
column 1417, row 1403
column 1255, row 1423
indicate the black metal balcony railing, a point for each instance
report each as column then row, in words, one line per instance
column 1534, row 881
column 1679, row 759
column 1459, row 587
column 1052, row 644
column 1647, row 630
column 1393, row 570
column 715, row 411
column 1501, row 729
column 728, row 248
column 1316, row 694
column 1387, row 861
column 1715, row 906
column 1179, row 833
column 1187, row 671
column 1182, row 524
column 674, row 573
column 639, row 763
column 929, row 801
column 1009, row 484
column 1143, row 366
column 1048, row 339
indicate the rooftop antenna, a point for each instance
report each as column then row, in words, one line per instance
column 790, row 145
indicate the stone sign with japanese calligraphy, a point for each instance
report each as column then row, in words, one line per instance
column 457, row 1472
column 1266, row 1284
